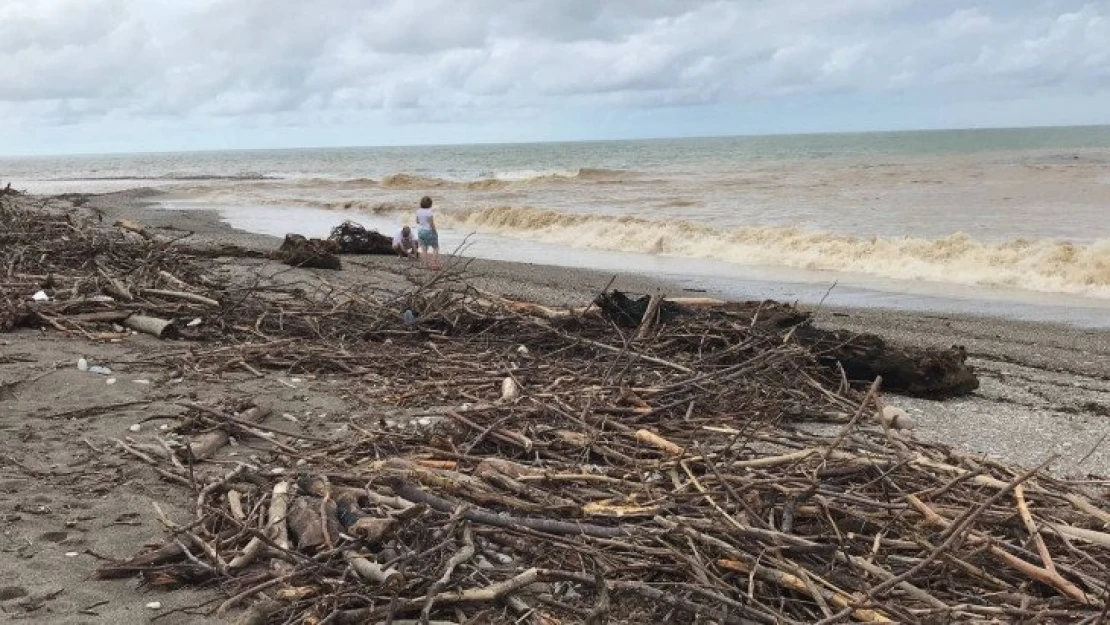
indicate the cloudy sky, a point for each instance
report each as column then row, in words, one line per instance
column 137, row 75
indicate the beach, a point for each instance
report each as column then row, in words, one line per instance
column 69, row 499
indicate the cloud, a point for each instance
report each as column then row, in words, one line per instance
column 294, row 62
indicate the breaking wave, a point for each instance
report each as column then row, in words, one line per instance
column 1034, row 264
column 505, row 180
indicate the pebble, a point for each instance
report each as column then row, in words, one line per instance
column 141, row 381
column 135, row 428
column 82, row 364
column 277, row 471
column 154, row 605
column 110, row 381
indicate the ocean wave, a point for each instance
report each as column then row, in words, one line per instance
column 364, row 206
column 504, row 180
column 1039, row 264
column 175, row 176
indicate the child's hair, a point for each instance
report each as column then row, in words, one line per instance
column 425, row 202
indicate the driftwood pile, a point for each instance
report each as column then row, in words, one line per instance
column 566, row 469
column 354, row 238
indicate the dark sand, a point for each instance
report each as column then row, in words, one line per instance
column 64, row 490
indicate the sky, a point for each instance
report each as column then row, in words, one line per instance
column 162, row 75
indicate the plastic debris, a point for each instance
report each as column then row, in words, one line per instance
column 135, row 428
column 41, row 296
column 99, row 369
column 82, row 364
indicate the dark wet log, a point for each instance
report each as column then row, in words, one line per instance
column 170, row 552
column 629, row 313
column 916, row 371
column 298, row 251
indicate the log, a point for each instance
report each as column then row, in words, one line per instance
column 206, row 445
column 915, row 371
column 131, row 226
column 182, row 295
column 161, row 328
column 313, row 523
column 918, row 372
column 653, row 439
column 172, row 279
column 299, row 251
column 649, row 318
column 388, row 578
column 630, row 313
column 169, row 552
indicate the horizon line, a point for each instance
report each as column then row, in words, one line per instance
column 560, row 141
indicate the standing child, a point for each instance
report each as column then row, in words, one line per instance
column 427, row 233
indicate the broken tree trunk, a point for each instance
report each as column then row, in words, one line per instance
column 161, row 328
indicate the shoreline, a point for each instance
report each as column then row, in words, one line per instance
column 843, row 290
column 1046, row 386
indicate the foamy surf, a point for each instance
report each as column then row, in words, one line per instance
column 506, row 180
column 1041, row 265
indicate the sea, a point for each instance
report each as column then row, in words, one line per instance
column 1010, row 222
